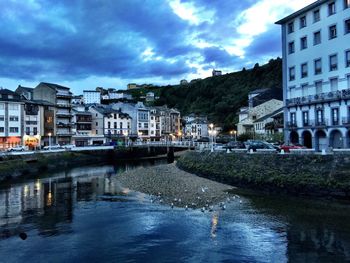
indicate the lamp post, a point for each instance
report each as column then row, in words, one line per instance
column 126, row 138
column 235, row 133
column 211, row 132
column 49, row 140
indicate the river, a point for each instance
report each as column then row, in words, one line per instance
column 85, row 215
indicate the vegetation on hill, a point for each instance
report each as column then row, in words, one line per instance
column 218, row 97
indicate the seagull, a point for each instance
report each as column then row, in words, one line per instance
column 223, row 207
column 203, row 209
column 172, row 205
column 186, row 207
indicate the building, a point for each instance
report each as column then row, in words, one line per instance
column 61, row 97
column 92, row 96
column 216, row 72
column 183, row 82
column 132, row 86
column 155, row 124
column 248, row 125
column 316, row 75
column 114, row 124
column 78, row 100
column 25, row 92
column 196, row 128
column 150, row 96
column 11, row 115
column 269, row 124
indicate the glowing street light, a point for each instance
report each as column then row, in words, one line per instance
column 49, row 134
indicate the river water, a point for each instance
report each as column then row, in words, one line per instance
column 85, row 215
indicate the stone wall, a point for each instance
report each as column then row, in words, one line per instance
column 314, row 175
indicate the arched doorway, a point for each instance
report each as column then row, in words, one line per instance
column 336, row 140
column 321, row 140
column 307, row 139
column 294, row 137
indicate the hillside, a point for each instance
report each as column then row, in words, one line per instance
column 219, row 97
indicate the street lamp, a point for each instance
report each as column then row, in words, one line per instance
column 235, row 133
column 211, row 134
column 49, row 140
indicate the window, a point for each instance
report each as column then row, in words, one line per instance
column 115, row 125
column 304, row 89
column 2, row 118
column 304, row 70
column 335, row 116
column 146, row 125
column 318, row 85
column 318, row 66
column 2, row 129
column 13, row 106
column 96, row 131
column 348, row 78
column 290, row 27
column 303, row 43
column 109, row 125
column 302, row 21
column 331, row 8
column 346, row 4
column 121, row 125
column 317, row 15
column 319, row 114
column 96, row 124
column 13, row 118
column 347, row 58
column 13, row 129
column 10, row 97
column 291, row 73
column 115, row 115
column 333, row 62
column 332, row 32
column 347, row 26
column 293, row 119
column 291, row 48
column 317, row 38
column 27, row 130
column 35, row 130
column 334, row 84
column 305, row 118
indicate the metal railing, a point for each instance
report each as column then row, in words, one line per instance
column 322, row 97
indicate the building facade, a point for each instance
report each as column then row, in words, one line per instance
column 316, row 75
column 92, row 96
column 61, row 97
column 11, row 119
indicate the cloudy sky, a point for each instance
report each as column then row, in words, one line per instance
column 109, row 43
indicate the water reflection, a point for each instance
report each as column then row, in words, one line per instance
column 87, row 209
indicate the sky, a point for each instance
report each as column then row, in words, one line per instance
column 84, row 44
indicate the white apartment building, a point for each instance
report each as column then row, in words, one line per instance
column 91, row 97
column 10, row 119
column 316, row 74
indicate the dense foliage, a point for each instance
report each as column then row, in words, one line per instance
column 219, row 97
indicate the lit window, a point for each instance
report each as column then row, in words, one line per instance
column 318, row 66
column 304, row 70
column 317, row 15
column 291, row 48
column 317, row 38
column 335, row 116
column 303, row 43
column 331, row 8
column 333, row 62
column 302, row 21
column 346, row 4
column 332, row 32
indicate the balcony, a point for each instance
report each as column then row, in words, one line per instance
column 63, row 115
column 64, row 105
column 63, row 125
column 63, row 134
column 291, row 125
column 319, row 98
column 31, row 123
column 346, row 121
column 321, row 123
column 63, row 95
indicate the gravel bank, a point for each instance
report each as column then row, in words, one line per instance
column 168, row 184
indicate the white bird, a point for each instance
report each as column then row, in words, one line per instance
column 203, row 209
column 172, row 205
column 223, row 207
column 186, row 207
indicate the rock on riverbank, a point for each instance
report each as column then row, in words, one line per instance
column 168, row 184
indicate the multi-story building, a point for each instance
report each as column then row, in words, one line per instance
column 61, row 97
column 112, row 123
column 78, row 100
column 32, row 113
column 196, row 128
column 155, row 126
column 92, row 96
column 11, row 114
column 316, row 74
column 25, row 92
column 216, row 72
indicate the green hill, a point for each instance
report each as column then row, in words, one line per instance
column 219, row 97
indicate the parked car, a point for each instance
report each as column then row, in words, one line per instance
column 287, row 147
column 53, row 147
column 218, row 146
column 18, row 148
column 68, row 146
column 254, row 145
column 234, row 145
column 203, row 139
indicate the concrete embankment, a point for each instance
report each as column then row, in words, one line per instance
column 313, row 175
column 22, row 166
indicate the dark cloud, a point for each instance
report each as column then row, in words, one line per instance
column 267, row 44
column 75, row 39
